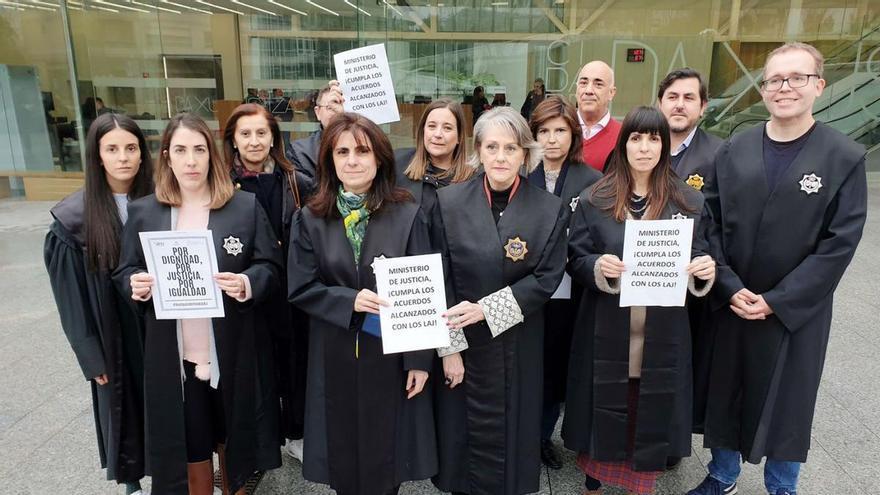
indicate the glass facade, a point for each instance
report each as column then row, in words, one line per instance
column 62, row 62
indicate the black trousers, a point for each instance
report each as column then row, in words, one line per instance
column 203, row 410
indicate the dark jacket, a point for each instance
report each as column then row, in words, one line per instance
column 791, row 245
column 362, row 436
column 596, row 410
column 234, row 335
column 107, row 338
column 303, row 154
column 489, row 426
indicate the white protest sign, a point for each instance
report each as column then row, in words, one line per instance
column 365, row 77
column 656, row 254
column 183, row 264
column 413, row 286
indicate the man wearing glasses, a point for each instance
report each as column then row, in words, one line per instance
column 303, row 153
column 789, row 204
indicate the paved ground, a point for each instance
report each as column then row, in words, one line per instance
column 47, row 439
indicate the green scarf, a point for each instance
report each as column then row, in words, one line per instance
column 355, row 217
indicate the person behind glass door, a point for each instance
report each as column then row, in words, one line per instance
column 369, row 425
column 555, row 126
column 503, row 240
column 439, row 158
column 629, row 399
column 595, row 91
column 479, row 103
column 253, row 149
column 81, row 251
column 200, row 375
column 536, row 96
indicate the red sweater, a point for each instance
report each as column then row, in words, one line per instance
column 599, row 146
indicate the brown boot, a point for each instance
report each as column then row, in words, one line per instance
column 200, row 476
column 221, row 454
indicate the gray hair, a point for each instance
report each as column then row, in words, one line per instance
column 511, row 121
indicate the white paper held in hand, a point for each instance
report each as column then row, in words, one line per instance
column 365, row 78
column 656, row 254
column 183, row 264
column 415, row 290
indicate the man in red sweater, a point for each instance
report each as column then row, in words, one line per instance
column 595, row 90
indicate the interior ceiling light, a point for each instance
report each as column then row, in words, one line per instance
column 105, row 9
column 135, row 2
column 362, row 11
column 325, row 9
column 209, row 4
column 237, row 2
column 24, row 5
column 300, row 12
column 500, row 4
column 169, row 2
column 392, row 7
column 118, row 6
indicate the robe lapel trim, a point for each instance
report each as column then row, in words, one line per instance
column 513, row 189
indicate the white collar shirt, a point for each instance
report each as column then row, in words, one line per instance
column 591, row 131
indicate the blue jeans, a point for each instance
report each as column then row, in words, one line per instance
column 725, row 467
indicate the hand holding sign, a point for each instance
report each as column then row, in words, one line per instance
column 365, row 77
column 656, row 258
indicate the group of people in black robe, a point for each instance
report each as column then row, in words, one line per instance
column 531, row 240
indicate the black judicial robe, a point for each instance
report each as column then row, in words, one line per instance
column 424, row 193
column 284, row 328
column 792, row 247
column 698, row 162
column 560, row 313
column 303, row 153
column 362, row 435
column 234, row 335
column 595, row 419
column 107, row 338
column 697, row 169
column 489, row 431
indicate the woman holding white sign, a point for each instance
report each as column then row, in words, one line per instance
column 200, row 375
column 628, row 406
column 368, row 425
column 504, row 239
column 81, row 251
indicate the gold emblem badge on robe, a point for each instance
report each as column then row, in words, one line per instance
column 695, row 181
column 516, row 249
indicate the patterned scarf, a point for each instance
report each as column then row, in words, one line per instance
column 355, row 217
column 239, row 171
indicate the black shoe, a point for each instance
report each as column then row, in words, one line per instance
column 549, row 456
column 672, row 463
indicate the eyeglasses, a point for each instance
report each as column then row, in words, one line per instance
column 335, row 107
column 794, row 82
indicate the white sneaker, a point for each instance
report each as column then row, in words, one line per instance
column 294, row 448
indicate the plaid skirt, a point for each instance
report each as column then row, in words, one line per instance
column 620, row 473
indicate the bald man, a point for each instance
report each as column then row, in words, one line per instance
column 595, row 90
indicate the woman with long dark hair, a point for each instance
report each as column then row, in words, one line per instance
column 554, row 124
column 201, row 375
column 628, row 406
column 254, row 150
column 503, row 239
column 81, row 251
column 369, row 426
